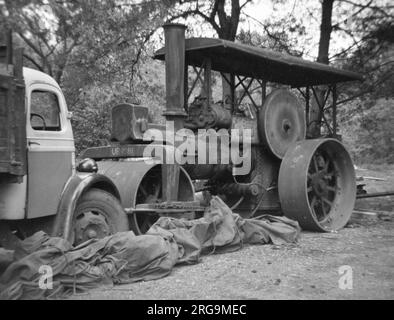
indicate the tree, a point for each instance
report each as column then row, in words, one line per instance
column 214, row 13
column 56, row 32
column 91, row 47
column 48, row 41
column 316, row 114
column 372, row 50
column 363, row 21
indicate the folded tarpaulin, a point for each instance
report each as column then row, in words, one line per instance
column 6, row 258
column 126, row 258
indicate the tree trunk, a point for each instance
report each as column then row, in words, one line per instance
column 325, row 31
column 228, row 31
column 315, row 115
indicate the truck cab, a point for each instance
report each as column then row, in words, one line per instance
column 40, row 185
column 50, row 151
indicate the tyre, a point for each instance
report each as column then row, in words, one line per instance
column 97, row 215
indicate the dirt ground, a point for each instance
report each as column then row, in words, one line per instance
column 307, row 270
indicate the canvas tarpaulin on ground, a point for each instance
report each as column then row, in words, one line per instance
column 126, row 258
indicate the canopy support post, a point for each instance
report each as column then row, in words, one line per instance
column 263, row 91
column 334, row 109
column 307, row 98
column 232, row 88
column 186, row 88
column 207, row 80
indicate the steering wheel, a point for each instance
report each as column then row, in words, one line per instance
column 32, row 114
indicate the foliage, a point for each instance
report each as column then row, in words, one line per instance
column 94, row 49
column 91, row 114
column 278, row 40
column 367, row 130
column 222, row 15
column 367, row 113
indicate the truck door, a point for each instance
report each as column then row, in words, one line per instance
column 50, row 149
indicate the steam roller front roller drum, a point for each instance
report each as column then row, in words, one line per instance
column 140, row 182
column 281, row 122
column 317, row 184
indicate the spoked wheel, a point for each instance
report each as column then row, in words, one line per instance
column 322, row 185
column 317, row 184
column 150, row 191
column 97, row 215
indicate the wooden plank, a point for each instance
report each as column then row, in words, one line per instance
column 18, row 72
column 6, row 69
column 12, row 117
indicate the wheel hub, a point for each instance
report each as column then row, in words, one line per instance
column 319, row 183
column 90, row 225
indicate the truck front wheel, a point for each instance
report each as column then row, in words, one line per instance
column 97, row 215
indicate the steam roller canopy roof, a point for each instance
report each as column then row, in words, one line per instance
column 245, row 60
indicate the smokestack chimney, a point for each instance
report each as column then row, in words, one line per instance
column 174, row 35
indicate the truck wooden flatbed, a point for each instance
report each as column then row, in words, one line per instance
column 12, row 114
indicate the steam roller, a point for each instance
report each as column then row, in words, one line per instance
column 316, row 182
column 139, row 183
column 309, row 180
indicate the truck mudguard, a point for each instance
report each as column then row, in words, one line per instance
column 74, row 188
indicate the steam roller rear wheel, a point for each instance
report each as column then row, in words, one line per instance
column 317, row 184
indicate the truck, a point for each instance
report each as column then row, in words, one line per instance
column 114, row 188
